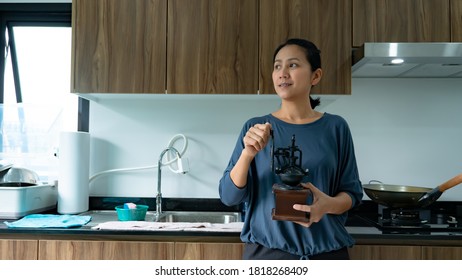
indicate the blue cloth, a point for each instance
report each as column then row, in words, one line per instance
column 49, row 221
column 328, row 153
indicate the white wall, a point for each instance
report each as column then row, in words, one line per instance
column 132, row 132
column 406, row 131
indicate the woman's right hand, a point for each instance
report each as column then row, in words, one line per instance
column 256, row 138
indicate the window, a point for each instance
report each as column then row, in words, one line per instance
column 36, row 103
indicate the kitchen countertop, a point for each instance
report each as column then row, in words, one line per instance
column 361, row 232
column 362, row 235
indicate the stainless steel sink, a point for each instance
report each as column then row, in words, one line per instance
column 102, row 216
column 200, row 217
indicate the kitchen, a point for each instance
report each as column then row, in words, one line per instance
column 406, row 131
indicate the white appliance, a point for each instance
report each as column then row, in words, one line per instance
column 17, row 202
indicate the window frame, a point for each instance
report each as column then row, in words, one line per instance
column 34, row 14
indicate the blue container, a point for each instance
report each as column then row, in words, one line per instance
column 138, row 214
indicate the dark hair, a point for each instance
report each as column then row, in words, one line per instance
column 312, row 56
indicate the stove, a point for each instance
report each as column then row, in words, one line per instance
column 442, row 218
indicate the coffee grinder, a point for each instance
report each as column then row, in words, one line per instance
column 289, row 192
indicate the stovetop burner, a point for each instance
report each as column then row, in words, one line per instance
column 404, row 217
column 424, row 221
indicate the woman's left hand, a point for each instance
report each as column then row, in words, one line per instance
column 320, row 206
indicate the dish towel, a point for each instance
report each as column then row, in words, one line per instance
column 229, row 227
column 159, row 226
column 49, row 221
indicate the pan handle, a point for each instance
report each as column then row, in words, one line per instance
column 435, row 193
column 375, row 181
column 450, row 183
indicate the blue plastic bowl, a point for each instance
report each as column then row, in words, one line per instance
column 138, row 214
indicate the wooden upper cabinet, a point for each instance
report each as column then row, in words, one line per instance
column 400, row 21
column 202, row 46
column 212, row 46
column 456, row 20
column 325, row 23
column 118, row 46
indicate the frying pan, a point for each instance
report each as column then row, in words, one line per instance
column 400, row 196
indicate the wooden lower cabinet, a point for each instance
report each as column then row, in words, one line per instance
column 233, row 251
column 18, row 249
column 441, row 253
column 385, row 252
column 392, row 252
column 105, row 250
column 208, row 251
column 136, row 250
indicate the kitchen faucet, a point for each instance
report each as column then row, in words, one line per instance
column 159, row 175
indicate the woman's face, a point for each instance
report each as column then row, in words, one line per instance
column 292, row 74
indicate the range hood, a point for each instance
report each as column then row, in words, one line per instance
column 418, row 60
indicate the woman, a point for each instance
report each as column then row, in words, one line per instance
column 328, row 152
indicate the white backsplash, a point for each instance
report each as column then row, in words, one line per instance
column 406, row 131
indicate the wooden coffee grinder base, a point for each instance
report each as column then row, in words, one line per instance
column 285, row 197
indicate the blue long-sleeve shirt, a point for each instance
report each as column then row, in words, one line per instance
column 328, row 153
